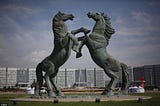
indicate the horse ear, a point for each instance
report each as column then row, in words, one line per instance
column 59, row 12
column 102, row 13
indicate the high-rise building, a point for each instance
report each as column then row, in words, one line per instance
column 3, row 77
column 151, row 74
column 100, row 81
column 91, row 78
column 148, row 74
column 32, row 75
column 138, row 72
column 8, row 77
column 22, row 76
column 157, row 75
column 85, row 77
column 70, row 79
column 65, row 78
column 60, row 79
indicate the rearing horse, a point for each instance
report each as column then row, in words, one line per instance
column 63, row 43
column 96, row 42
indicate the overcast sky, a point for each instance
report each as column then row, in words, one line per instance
column 26, row 36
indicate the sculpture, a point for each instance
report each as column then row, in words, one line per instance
column 63, row 43
column 96, row 42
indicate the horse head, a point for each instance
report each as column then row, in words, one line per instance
column 103, row 25
column 58, row 24
column 95, row 16
column 63, row 16
column 99, row 26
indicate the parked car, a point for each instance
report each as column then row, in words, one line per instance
column 30, row 90
column 136, row 89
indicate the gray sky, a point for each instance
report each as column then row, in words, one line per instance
column 26, row 36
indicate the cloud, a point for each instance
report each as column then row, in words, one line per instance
column 142, row 18
column 35, row 57
column 26, row 36
column 154, row 3
column 140, row 23
column 17, row 40
column 137, row 55
column 19, row 11
column 136, row 41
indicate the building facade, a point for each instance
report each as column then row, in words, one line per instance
column 11, row 77
column 66, row 78
column 151, row 74
column 8, row 77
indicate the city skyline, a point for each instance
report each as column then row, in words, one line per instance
column 26, row 36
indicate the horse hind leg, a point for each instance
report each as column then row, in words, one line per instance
column 79, row 54
column 82, row 29
column 39, row 82
column 49, row 86
column 125, row 79
column 111, row 86
column 57, row 90
column 76, row 45
column 50, row 70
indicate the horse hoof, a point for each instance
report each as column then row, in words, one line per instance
column 75, row 48
column 86, row 31
column 78, row 55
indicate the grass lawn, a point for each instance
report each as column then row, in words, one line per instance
column 155, row 101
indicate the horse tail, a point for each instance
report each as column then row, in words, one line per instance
column 125, row 76
column 39, row 75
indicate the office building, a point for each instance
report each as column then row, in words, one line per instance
column 151, row 74
column 67, row 78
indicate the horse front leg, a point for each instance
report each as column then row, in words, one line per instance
column 125, row 79
column 37, row 92
column 79, row 54
column 75, row 42
column 39, row 81
column 82, row 29
column 75, row 46
column 56, row 89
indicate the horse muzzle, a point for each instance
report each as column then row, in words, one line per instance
column 72, row 17
column 89, row 14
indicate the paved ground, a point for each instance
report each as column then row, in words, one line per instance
column 87, row 98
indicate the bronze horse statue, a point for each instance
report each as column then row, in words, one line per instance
column 63, row 43
column 96, row 42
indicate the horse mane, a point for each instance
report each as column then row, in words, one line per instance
column 56, row 25
column 57, row 17
column 109, row 30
